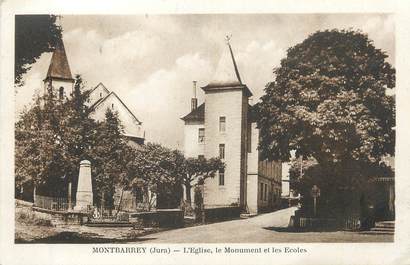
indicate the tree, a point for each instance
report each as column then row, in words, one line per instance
column 34, row 35
column 108, row 157
column 52, row 138
column 157, row 170
column 196, row 170
column 328, row 102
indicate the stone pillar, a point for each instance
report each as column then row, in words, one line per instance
column 84, row 196
column 69, row 197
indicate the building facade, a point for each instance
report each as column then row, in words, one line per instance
column 223, row 127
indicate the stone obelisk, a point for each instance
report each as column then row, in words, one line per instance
column 84, row 196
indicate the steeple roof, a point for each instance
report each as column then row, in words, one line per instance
column 226, row 71
column 59, row 67
column 227, row 74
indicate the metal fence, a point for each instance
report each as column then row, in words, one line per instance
column 52, row 203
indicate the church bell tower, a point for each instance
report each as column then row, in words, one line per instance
column 59, row 80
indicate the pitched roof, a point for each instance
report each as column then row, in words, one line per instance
column 98, row 102
column 197, row 114
column 99, row 84
column 59, row 67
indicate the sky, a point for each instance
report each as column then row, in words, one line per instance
column 150, row 61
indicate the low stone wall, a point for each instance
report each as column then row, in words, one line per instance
column 301, row 222
column 60, row 217
column 21, row 203
column 222, row 213
column 164, row 218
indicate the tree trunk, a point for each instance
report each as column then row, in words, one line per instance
column 102, row 205
column 188, row 193
column 119, row 205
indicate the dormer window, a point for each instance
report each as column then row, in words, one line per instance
column 61, row 93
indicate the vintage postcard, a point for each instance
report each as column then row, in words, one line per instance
column 136, row 134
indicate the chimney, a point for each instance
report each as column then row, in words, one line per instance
column 194, row 100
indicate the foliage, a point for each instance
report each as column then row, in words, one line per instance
column 196, row 170
column 34, row 35
column 52, row 138
column 341, row 188
column 157, row 169
column 109, row 156
column 54, row 135
column 329, row 101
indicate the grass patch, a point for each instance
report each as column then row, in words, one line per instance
column 26, row 215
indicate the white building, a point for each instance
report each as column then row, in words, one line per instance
column 223, row 127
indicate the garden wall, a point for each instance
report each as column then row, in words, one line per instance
column 164, row 218
column 222, row 213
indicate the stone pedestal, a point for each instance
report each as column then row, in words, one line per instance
column 84, row 196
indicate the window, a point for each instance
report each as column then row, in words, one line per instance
column 261, row 192
column 100, row 95
column 222, row 124
column 222, row 151
column 112, row 105
column 221, row 177
column 201, row 157
column 201, row 135
column 61, row 93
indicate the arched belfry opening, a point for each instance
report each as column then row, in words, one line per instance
column 59, row 76
column 61, row 93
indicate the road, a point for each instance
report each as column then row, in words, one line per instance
column 265, row 228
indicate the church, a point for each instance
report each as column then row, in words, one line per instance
column 99, row 99
column 223, row 126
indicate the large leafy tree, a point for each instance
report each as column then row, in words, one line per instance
column 52, row 138
column 34, row 35
column 328, row 102
column 39, row 153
